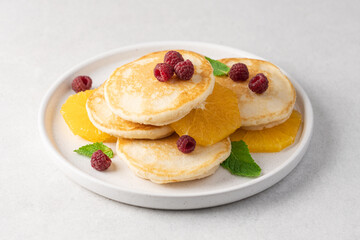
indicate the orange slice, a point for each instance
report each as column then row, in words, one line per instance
column 76, row 117
column 212, row 121
column 272, row 139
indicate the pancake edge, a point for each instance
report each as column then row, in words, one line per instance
column 172, row 179
column 157, row 133
column 161, row 119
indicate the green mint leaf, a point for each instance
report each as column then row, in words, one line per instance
column 240, row 161
column 220, row 69
column 89, row 149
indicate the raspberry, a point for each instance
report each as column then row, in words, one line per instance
column 184, row 70
column 163, row 72
column 259, row 83
column 186, row 144
column 172, row 58
column 100, row 161
column 239, row 72
column 81, row 83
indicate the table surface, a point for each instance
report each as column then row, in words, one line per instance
column 317, row 42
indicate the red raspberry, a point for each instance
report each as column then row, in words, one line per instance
column 163, row 72
column 239, row 72
column 172, row 58
column 186, row 144
column 100, row 161
column 81, row 83
column 184, row 70
column 259, row 83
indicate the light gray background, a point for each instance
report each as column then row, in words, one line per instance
column 317, row 42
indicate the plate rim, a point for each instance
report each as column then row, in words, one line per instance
column 65, row 165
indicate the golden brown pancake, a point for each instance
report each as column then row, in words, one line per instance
column 265, row 110
column 101, row 116
column 133, row 93
column 161, row 162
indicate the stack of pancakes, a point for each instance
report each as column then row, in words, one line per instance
column 135, row 107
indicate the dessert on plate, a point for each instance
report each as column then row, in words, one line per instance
column 178, row 115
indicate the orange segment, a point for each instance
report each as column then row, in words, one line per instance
column 272, row 139
column 76, row 117
column 213, row 120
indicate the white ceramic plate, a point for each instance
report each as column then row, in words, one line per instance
column 119, row 183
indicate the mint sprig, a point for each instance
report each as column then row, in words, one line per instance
column 89, row 149
column 240, row 162
column 219, row 68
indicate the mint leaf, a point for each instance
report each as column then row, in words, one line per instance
column 89, row 149
column 240, row 161
column 220, row 69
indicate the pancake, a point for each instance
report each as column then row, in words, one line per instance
column 133, row 93
column 265, row 110
column 101, row 116
column 161, row 162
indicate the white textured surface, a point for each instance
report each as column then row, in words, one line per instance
column 317, row 42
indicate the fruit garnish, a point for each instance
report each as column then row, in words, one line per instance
column 240, row 161
column 81, row 83
column 186, row 144
column 213, row 120
column 219, row 68
column 163, row 72
column 259, row 83
column 89, row 149
column 172, row 58
column 174, row 62
column 100, row 161
column 239, row 72
column 99, row 153
column 272, row 139
column 76, row 117
column 184, row 70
